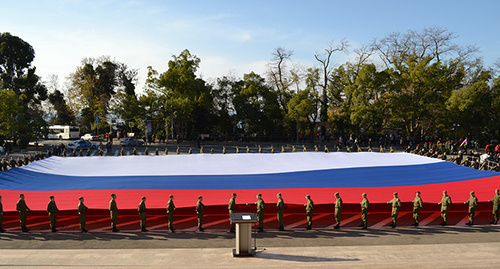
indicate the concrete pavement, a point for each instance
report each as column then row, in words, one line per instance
column 470, row 255
column 405, row 247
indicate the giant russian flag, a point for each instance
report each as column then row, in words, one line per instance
column 216, row 176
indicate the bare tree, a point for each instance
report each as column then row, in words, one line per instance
column 325, row 60
column 435, row 43
column 278, row 76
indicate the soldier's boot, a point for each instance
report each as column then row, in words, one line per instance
column 468, row 223
column 84, row 230
column 444, row 223
column 308, row 227
column 24, row 229
column 415, row 224
column 115, row 230
column 2, row 230
column 54, row 230
column 393, row 225
column 144, row 230
column 281, row 228
column 232, row 230
column 337, row 226
column 365, row 226
column 362, row 224
column 200, row 229
column 172, row 230
column 261, row 229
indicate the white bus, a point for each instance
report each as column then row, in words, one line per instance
column 63, row 132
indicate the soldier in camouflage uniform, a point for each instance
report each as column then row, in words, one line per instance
column 1, row 215
column 170, row 213
column 496, row 206
column 261, row 205
column 113, row 210
column 280, row 208
column 396, row 204
column 445, row 207
column 472, row 207
column 200, row 207
column 22, row 208
column 338, row 209
column 232, row 209
column 81, row 214
column 52, row 210
column 309, row 211
column 417, row 206
column 364, row 211
column 142, row 214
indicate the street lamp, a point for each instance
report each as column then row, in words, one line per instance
column 455, row 126
column 297, row 113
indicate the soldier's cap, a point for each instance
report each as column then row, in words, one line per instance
column 199, row 197
column 234, row 194
column 308, row 196
column 363, row 194
column 21, row 195
column 336, row 194
column 279, row 194
column 51, row 197
column 472, row 192
column 445, row 192
column 0, row 196
column 259, row 194
column 496, row 190
column 395, row 193
column 113, row 194
column 143, row 197
column 170, row 196
column 80, row 198
column 417, row 192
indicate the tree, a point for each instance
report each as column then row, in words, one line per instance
column 470, row 106
column 368, row 93
column 92, row 86
column 125, row 104
column 421, row 89
column 17, row 74
column 64, row 116
column 11, row 113
column 279, row 76
column 256, row 105
column 324, row 60
column 189, row 96
column 304, row 105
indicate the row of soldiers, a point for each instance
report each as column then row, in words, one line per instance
column 395, row 202
column 460, row 158
column 25, row 160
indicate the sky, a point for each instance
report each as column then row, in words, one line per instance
column 230, row 37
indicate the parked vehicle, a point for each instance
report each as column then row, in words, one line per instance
column 131, row 142
column 89, row 137
column 63, row 132
column 81, row 144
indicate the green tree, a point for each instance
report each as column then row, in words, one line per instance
column 92, row 86
column 257, row 107
column 17, row 74
column 11, row 113
column 470, row 107
column 64, row 116
column 418, row 102
column 305, row 105
column 370, row 111
column 189, row 95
